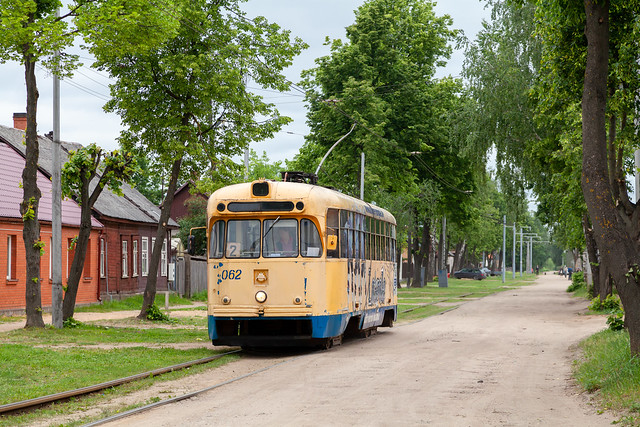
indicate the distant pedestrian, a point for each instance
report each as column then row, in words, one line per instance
column 537, row 269
column 569, row 272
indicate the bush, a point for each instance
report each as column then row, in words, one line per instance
column 616, row 320
column 577, row 281
column 154, row 313
column 611, row 304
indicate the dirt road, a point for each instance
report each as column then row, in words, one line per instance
column 504, row 360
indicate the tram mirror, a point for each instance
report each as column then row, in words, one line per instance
column 332, row 242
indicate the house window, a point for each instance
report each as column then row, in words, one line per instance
column 153, row 243
column 134, row 256
column 87, row 262
column 125, row 259
column 102, row 265
column 163, row 259
column 145, row 256
column 11, row 257
column 71, row 253
column 50, row 257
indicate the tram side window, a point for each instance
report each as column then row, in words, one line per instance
column 243, row 238
column 310, row 243
column 216, row 240
column 333, row 230
column 280, row 238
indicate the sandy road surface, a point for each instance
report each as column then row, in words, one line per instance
column 504, row 360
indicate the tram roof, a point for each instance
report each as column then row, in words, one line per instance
column 317, row 198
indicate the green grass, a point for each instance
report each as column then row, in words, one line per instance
column 37, row 362
column 133, row 303
column 28, row 371
column 606, row 367
column 92, row 334
column 459, row 290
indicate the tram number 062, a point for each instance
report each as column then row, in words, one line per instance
column 231, row 274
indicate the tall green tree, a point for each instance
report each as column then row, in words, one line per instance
column 186, row 103
column 31, row 34
column 611, row 84
column 590, row 56
column 381, row 79
column 84, row 176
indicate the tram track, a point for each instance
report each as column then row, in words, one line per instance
column 38, row 401
column 187, row 395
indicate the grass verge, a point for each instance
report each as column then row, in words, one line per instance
column 606, row 367
column 416, row 303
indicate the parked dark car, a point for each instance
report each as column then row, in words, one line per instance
column 469, row 273
column 496, row 272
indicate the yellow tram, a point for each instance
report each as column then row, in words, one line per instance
column 290, row 263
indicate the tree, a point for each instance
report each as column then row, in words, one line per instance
column 186, row 103
column 608, row 97
column 31, row 33
column 590, row 57
column 382, row 81
column 87, row 172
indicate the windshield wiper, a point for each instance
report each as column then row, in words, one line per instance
column 270, row 227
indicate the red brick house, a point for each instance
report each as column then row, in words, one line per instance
column 13, row 261
column 179, row 207
column 123, row 244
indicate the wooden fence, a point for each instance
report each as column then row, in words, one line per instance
column 190, row 275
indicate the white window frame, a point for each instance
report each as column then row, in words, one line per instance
column 145, row 256
column 125, row 258
column 50, row 257
column 11, row 241
column 102, row 265
column 163, row 259
column 134, row 256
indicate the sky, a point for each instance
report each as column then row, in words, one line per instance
column 83, row 120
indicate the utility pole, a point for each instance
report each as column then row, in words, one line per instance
column 362, row 176
column 246, row 164
column 504, row 247
column 56, row 208
column 513, row 256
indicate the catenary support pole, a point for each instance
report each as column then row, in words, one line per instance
column 56, row 209
column 504, row 248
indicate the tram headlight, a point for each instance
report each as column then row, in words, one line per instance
column 261, row 296
column 297, row 300
column 226, row 300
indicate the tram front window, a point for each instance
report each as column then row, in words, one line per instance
column 243, row 238
column 216, row 240
column 280, row 238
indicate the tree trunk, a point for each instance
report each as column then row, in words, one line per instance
column 421, row 252
column 613, row 230
column 30, row 202
column 77, row 265
column 594, row 260
column 150, row 289
column 409, row 258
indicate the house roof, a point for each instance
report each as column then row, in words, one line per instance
column 132, row 206
column 11, row 166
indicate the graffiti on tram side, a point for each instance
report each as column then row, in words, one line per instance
column 364, row 284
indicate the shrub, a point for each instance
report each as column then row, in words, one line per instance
column 577, row 281
column 616, row 320
column 154, row 313
column 611, row 304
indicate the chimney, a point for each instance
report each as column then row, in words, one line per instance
column 20, row 121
